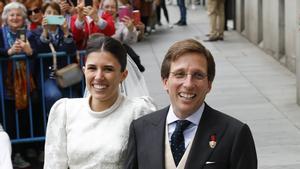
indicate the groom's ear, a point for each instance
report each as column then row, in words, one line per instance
column 165, row 83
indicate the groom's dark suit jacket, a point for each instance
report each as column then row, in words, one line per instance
column 234, row 148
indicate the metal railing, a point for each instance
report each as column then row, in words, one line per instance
column 33, row 120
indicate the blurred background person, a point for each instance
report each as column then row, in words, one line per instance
column 146, row 8
column 162, row 5
column 68, row 9
column 58, row 36
column 16, row 95
column 125, row 29
column 215, row 9
column 34, row 13
column 89, row 20
column 2, row 4
column 139, row 25
column 182, row 10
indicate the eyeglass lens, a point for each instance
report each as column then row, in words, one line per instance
column 36, row 10
column 183, row 75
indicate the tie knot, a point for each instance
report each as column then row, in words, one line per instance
column 182, row 125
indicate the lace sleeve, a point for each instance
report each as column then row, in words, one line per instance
column 143, row 105
column 56, row 137
column 5, row 154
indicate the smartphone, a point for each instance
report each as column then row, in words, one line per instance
column 88, row 2
column 72, row 2
column 136, row 16
column 21, row 34
column 55, row 19
column 124, row 11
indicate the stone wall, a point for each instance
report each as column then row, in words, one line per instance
column 270, row 24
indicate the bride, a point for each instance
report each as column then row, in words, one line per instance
column 134, row 85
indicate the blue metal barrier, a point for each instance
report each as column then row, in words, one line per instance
column 27, row 118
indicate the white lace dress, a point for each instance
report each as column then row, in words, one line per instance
column 80, row 138
column 5, row 150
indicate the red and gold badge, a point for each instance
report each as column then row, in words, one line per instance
column 213, row 141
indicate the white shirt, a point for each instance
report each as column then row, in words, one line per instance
column 80, row 138
column 188, row 133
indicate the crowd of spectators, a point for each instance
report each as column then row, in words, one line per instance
column 27, row 30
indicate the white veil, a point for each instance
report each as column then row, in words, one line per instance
column 134, row 85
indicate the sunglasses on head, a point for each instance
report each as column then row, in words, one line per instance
column 36, row 10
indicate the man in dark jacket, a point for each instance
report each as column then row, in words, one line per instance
column 189, row 134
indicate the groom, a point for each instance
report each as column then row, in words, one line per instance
column 189, row 134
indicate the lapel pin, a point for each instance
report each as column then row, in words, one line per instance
column 213, row 141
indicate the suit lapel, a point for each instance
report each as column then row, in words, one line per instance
column 201, row 150
column 156, row 130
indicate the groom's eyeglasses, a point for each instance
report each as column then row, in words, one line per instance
column 180, row 75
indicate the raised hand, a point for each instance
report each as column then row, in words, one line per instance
column 65, row 7
column 25, row 46
column 64, row 28
column 15, row 48
column 45, row 26
column 92, row 12
column 128, row 22
column 80, row 11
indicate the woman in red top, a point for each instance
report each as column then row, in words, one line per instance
column 90, row 19
column 34, row 13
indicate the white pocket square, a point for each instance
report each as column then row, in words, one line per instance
column 210, row 162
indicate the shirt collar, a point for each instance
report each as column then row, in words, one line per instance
column 194, row 118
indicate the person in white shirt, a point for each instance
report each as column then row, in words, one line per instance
column 5, row 147
column 93, row 132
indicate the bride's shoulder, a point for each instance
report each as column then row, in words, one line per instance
column 141, row 105
column 139, row 100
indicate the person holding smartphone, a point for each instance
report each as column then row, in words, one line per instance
column 67, row 6
column 10, row 27
column 54, row 30
column 16, row 95
column 68, row 9
column 125, row 29
column 89, row 20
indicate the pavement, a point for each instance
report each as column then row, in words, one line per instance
column 249, row 85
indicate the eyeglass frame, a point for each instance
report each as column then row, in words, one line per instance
column 180, row 75
column 36, row 10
